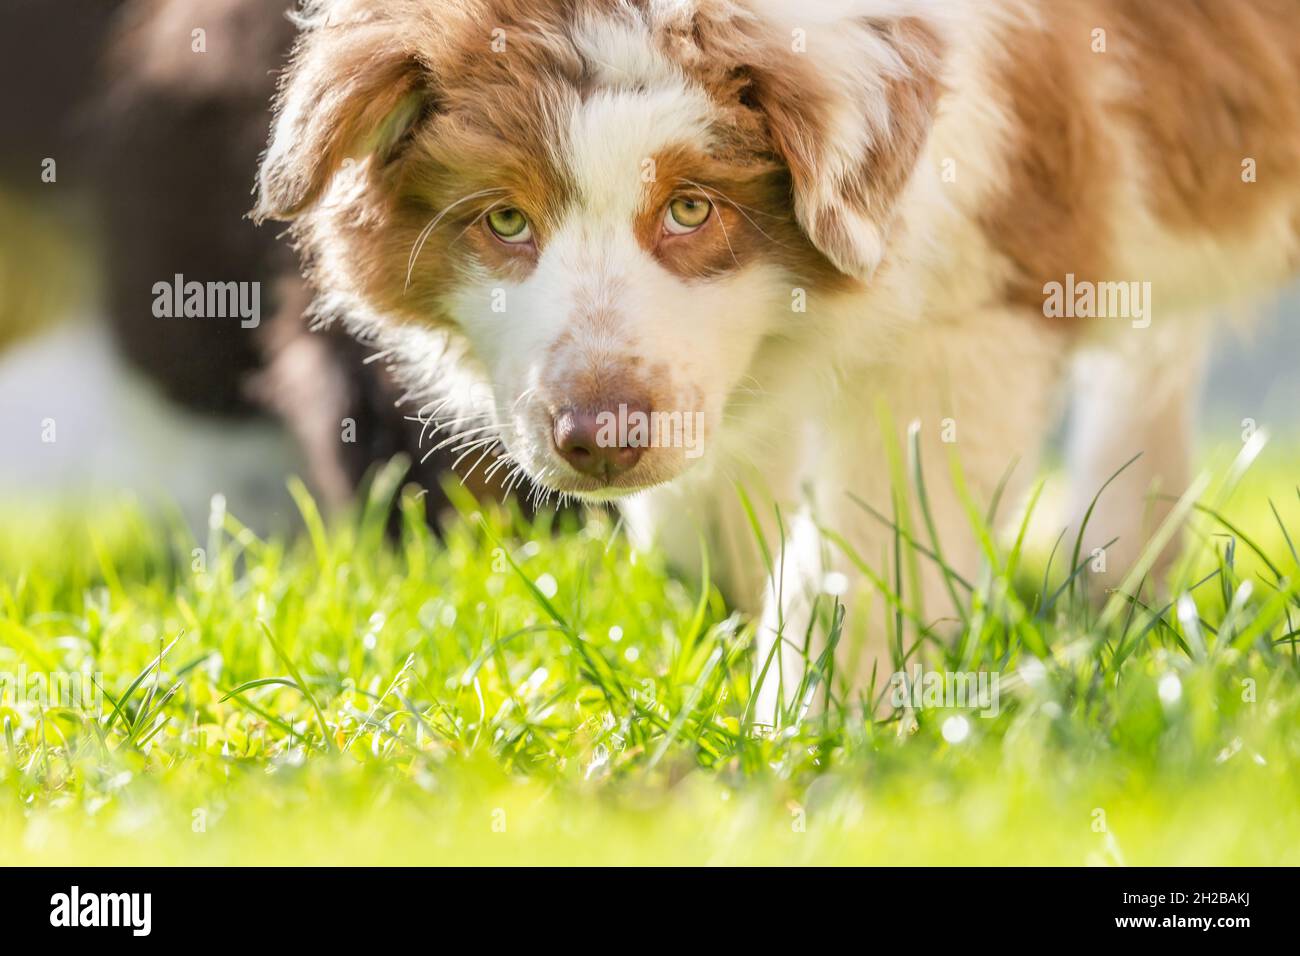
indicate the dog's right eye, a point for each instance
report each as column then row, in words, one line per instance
column 509, row 225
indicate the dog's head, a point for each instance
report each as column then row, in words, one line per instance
column 610, row 204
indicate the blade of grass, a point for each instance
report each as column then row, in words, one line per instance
column 927, row 515
column 292, row 668
column 1087, row 515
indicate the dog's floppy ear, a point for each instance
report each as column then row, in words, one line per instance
column 352, row 90
column 849, row 99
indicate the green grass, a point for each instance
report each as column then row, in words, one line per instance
column 537, row 694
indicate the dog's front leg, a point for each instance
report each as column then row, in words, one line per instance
column 787, row 600
column 705, row 514
column 1130, row 445
column 945, row 406
column 798, row 608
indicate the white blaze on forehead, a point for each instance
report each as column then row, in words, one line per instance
column 615, row 135
column 641, row 105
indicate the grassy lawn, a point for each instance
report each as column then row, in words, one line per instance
column 518, row 694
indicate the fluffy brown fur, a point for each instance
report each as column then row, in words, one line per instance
column 1202, row 85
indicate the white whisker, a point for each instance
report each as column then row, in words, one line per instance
column 433, row 224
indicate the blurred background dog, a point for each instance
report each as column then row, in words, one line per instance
column 134, row 130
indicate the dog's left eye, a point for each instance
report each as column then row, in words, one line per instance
column 509, row 225
column 686, row 214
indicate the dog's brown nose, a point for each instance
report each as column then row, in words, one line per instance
column 601, row 443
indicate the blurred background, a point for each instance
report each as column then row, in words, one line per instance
column 131, row 131
column 130, row 142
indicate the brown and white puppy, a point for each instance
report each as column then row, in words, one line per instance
column 653, row 248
